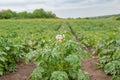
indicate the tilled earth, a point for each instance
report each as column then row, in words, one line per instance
column 23, row 72
column 89, row 65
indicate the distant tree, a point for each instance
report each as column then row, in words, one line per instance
column 112, row 18
column 7, row 14
column 86, row 18
column 23, row 15
column 37, row 13
column 118, row 18
column 49, row 14
column 40, row 13
column 79, row 18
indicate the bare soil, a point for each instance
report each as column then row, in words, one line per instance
column 89, row 65
column 23, row 72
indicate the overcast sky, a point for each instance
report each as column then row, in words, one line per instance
column 65, row 8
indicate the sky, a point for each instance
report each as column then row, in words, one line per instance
column 65, row 8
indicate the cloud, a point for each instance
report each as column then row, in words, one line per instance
column 65, row 8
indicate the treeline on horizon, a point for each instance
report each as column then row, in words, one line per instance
column 37, row 13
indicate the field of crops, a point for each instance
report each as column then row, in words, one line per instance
column 58, row 46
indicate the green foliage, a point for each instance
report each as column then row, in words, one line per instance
column 116, row 77
column 7, row 14
column 59, row 75
column 112, row 67
column 38, row 13
column 118, row 18
column 10, row 53
column 23, row 15
column 102, row 36
column 109, row 57
column 37, row 73
column 83, row 75
column 53, row 58
column 56, row 59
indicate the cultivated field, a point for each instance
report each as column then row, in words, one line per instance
column 61, row 49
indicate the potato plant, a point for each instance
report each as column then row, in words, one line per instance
column 58, row 61
column 109, row 57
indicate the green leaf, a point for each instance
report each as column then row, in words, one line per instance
column 59, row 75
column 83, row 75
column 116, row 55
column 7, row 48
column 1, row 71
column 37, row 73
column 3, row 58
column 29, row 56
column 73, row 59
column 112, row 67
column 116, row 77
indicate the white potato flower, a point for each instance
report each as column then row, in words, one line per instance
column 30, row 43
column 59, row 37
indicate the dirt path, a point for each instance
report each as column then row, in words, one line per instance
column 90, row 65
column 23, row 72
